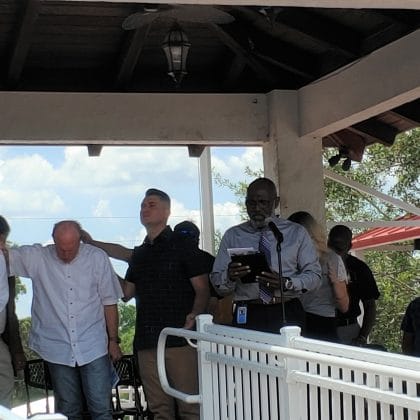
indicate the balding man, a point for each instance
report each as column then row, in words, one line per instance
column 74, row 318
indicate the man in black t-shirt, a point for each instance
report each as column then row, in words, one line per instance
column 168, row 276
column 361, row 288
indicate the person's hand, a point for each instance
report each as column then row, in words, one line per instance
column 114, row 351
column 359, row 341
column 190, row 321
column 269, row 279
column 236, row 271
column 85, row 237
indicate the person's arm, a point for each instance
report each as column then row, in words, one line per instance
column 407, row 343
column 369, row 318
column 4, row 285
column 337, row 275
column 128, row 289
column 201, row 288
column 341, row 296
column 111, row 319
column 116, row 251
column 13, row 330
column 225, row 273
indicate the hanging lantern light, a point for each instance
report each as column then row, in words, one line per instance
column 176, row 46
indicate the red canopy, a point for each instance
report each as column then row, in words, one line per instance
column 386, row 235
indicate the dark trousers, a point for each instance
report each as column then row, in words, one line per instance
column 321, row 327
column 269, row 318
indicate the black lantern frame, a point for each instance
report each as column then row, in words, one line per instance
column 176, row 47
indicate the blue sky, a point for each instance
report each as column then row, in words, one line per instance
column 42, row 185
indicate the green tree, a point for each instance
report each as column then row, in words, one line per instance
column 394, row 171
column 127, row 312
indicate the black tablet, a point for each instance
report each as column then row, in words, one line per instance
column 257, row 264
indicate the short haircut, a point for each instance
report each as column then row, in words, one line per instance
column 161, row 194
column 4, row 226
column 264, row 183
column 339, row 238
column 67, row 222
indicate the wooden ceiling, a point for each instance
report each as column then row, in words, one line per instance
column 82, row 47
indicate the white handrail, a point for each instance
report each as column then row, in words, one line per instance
column 188, row 398
column 272, row 349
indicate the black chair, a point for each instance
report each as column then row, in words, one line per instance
column 127, row 371
column 36, row 375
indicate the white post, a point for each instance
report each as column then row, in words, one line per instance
column 294, row 164
column 289, row 392
column 207, row 216
column 205, row 381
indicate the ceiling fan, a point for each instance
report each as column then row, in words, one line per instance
column 180, row 13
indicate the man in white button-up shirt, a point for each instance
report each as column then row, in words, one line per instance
column 74, row 318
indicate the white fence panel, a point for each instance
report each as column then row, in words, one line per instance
column 246, row 374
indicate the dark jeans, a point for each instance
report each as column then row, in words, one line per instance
column 269, row 318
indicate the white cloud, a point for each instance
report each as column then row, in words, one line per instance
column 102, row 209
column 233, row 168
column 22, row 202
column 226, row 215
column 126, row 167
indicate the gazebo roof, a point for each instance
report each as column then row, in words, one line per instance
column 380, row 236
column 82, row 46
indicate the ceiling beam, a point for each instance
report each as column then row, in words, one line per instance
column 266, row 36
column 375, row 84
column 131, row 54
column 376, row 131
column 409, row 112
column 315, row 28
column 387, row 33
column 235, row 69
column 342, row 4
column 94, row 149
column 23, row 42
column 195, row 150
column 63, row 118
column 260, row 71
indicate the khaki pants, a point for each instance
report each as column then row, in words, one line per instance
column 6, row 376
column 181, row 370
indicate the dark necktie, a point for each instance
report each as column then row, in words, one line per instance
column 265, row 294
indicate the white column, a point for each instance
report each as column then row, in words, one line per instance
column 294, row 164
column 206, row 197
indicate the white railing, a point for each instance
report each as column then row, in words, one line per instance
column 248, row 375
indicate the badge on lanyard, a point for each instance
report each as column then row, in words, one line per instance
column 241, row 314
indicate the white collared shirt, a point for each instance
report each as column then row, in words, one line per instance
column 4, row 292
column 68, row 321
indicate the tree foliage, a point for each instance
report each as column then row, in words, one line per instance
column 127, row 313
column 394, row 171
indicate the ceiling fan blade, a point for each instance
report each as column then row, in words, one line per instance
column 138, row 19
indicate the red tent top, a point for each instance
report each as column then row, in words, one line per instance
column 386, row 235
